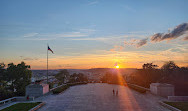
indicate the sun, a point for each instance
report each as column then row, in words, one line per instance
column 117, row 67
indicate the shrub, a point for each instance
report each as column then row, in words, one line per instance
column 5, row 94
column 60, row 89
column 51, row 85
column 141, row 90
column 78, row 83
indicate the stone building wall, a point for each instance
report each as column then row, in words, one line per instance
column 160, row 89
column 36, row 90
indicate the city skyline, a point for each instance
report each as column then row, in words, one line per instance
column 94, row 34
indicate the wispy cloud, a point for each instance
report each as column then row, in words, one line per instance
column 28, row 58
column 30, row 35
column 71, row 34
column 117, row 48
column 141, row 42
column 93, row 2
column 180, row 30
column 105, row 39
column 136, row 42
column 111, row 38
column 50, row 36
column 128, row 8
column 87, row 30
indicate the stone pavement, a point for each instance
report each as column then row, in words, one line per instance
column 99, row 97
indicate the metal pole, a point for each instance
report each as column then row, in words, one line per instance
column 47, row 63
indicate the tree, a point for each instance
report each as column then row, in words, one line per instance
column 170, row 65
column 19, row 76
column 62, row 75
column 82, row 77
column 149, row 66
column 113, row 78
column 2, row 74
column 78, row 78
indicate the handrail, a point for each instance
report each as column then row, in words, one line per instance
column 21, row 98
column 6, row 100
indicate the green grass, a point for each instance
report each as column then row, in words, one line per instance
column 21, row 106
column 180, row 105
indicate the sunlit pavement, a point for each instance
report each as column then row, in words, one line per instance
column 99, row 97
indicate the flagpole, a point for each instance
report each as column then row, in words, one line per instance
column 47, row 63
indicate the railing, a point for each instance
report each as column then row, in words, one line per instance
column 13, row 99
column 7, row 100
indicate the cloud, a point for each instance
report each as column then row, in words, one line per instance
column 92, row 39
column 141, row 43
column 136, row 42
column 72, row 34
column 93, row 3
column 117, row 48
column 30, row 35
column 87, row 30
column 48, row 36
column 28, row 58
column 129, row 8
column 180, row 30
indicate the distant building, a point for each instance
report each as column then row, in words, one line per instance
column 37, row 89
column 162, row 89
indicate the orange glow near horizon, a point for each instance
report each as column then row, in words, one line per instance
column 117, row 67
column 104, row 59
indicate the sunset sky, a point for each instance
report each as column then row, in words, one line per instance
column 93, row 33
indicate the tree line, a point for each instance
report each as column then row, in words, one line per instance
column 150, row 73
column 64, row 77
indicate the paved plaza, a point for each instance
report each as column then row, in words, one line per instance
column 99, row 97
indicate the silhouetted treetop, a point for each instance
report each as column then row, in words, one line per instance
column 149, row 66
column 170, row 65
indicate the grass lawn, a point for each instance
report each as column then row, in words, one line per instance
column 21, row 106
column 180, row 105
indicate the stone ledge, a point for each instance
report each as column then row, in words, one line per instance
column 37, row 107
column 169, row 106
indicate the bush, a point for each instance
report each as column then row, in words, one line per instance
column 73, row 84
column 60, row 89
column 141, row 90
column 5, row 94
column 51, row 85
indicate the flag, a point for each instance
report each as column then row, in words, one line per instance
column 50, row 49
